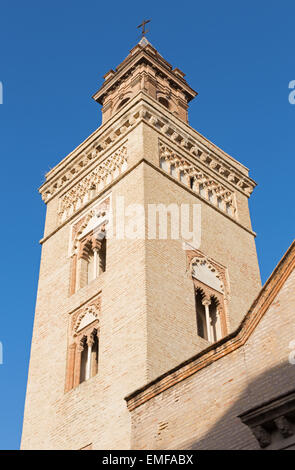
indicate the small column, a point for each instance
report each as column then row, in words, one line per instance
column 218, row 325
column 96, row 250
column 94, row 356
column 89, row 350
column 206, row 304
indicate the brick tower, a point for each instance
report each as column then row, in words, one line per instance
column 115, row 310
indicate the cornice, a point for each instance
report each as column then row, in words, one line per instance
column 207, row 154
column 107, row 189
column 102, row 193
column 91, row 151
column 225, row 346
column 198, row 179
column 143, row 108
column 183, row 127
column 99, row 176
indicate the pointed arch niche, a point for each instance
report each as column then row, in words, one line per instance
column 83, row 345
column 211, row 296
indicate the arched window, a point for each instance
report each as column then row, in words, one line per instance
column 209, row 298
column 124, row 101
column 208, row 317
column 89, row 356
column 92, row 259
column 163, row 101
column 83, row 346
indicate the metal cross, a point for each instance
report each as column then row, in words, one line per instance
column 142, row 25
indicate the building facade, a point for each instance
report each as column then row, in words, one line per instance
column 124, row 302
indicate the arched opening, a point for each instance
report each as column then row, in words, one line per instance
column 83, row 348
column 215, row 319
column 200, row 314
column 94, row 354
column 89, row 356
column 209, row 291
column 164, row 164
column 92, row 259
column 84, row 360
column 103, row 256
column 124, row 101
column 163, row 101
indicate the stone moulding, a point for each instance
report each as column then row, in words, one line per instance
column 188, row 139
column 91, row 309
column 100, row 212
column 87, row 157
column 196, row 257
column 202, row 150
column 271, row 416
column 199, row 181
column 85, row 318
column 93, row 183
column 107, row 189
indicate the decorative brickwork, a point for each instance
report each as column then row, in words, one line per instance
column 93, row 183
column 199, row 148
column 98, row 214
column 211, row 287
column 200, row 182
column 196, row 257
column 88, row 245
column 83, row 338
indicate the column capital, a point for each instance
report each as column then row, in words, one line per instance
column 90, row 341
column 206, row 302
column 80, row 346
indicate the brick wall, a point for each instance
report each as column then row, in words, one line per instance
column 201, row 411
column 147, row 322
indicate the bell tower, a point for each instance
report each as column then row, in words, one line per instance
column 124, row 293
column 145, row 70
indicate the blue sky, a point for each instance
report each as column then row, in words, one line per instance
column 239, row 56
